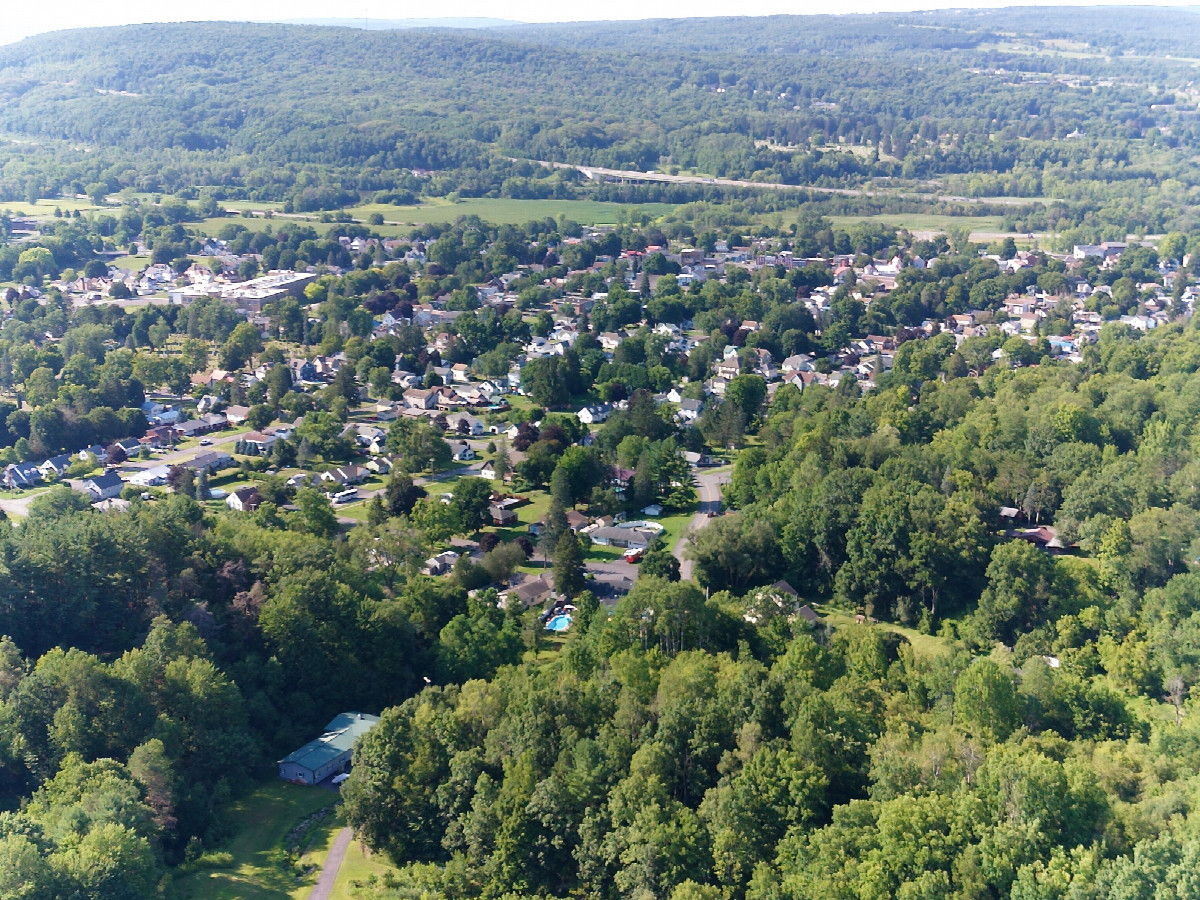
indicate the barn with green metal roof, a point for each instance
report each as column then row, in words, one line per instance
column 330, row 753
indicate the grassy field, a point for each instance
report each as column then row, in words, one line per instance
column 132, row 263
column 399, row 220
column 258, row 223
column 925, row 645
column 674, row 527
column 507, row 212
column 240, row 205
column 46, row 207
column 923, row 221
column 258, row 869
column 358, row 865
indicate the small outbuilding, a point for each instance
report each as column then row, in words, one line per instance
column 330, row 753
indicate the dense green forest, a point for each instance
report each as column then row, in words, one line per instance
column 981, row 105
column 675, row 749
column 690, row 744
column 944, row 640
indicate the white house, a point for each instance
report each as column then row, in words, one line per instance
column 689, row 410
column 151, row 477
column 465, row 423
column 594, row 414
column 103, row 487
column 244, row 499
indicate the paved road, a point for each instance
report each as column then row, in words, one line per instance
column 333, row 862
column 20, row 507
column 710, row 481
column 633, row 175
column 175, row 457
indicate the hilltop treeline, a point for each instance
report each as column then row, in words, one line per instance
column 288, row 113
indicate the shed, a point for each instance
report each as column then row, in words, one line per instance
column 330, row 753
column 501, row 515
column 809, row 615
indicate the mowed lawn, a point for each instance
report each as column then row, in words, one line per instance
column 925, row 646
column 357, row 866
column 259, row 870
column 924, row 221
column 45, row 208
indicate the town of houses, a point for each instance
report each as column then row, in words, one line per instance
column 461, row 400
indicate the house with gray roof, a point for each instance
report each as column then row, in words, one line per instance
column 330, row 753
column 104, row 487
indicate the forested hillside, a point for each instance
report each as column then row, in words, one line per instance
column 975, row 104
column 794, row 539
column 677, row 750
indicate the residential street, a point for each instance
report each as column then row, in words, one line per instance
column 709, row 482
column 175, row 457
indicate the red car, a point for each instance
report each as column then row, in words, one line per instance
column 633, row 556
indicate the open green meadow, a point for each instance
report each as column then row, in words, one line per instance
column 256, row 867
column 45, row 207
column 508, row 212
column 131, row 263
column 925, row 646
column 924, row 221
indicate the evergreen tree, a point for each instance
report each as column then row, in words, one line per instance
column 502, row 463
column 304, row 455
column 552, row 529
column 376, row 512
column 568, row 565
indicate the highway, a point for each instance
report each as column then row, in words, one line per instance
column 592, row 172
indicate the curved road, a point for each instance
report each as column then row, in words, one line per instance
column 709, row 481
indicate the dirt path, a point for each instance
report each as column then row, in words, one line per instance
column 333, row 862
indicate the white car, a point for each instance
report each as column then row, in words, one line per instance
column 338, row 779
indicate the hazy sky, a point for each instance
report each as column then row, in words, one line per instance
column 34, row 17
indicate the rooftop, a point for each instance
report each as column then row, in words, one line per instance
column 340, row 736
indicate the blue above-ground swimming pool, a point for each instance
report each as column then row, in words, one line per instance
column 559, row 623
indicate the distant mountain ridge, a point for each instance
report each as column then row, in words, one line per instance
column 929, row 94
column 368, row 24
